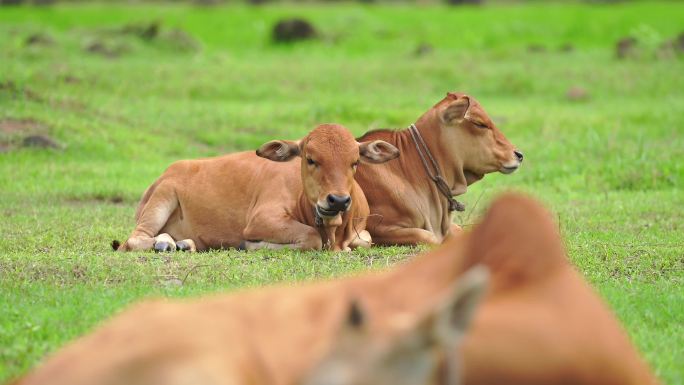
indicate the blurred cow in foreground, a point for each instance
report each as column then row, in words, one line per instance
column 538, row 322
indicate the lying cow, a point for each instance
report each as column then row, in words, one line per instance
column 261, row 200
column 453, row 145
column 539, row 322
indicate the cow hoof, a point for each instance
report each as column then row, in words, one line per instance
column 242, row 246
column 163, row 246
column 186, row 245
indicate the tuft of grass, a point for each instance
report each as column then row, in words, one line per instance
column 608, row 165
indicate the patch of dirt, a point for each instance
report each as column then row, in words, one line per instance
column 97, row 199
column 145, row 31
column 39, row 39
column 180, row 40
column 567, row 48
column 106, row 49
column 19, row 133
column 13, row 126
column 464, row 2
column 577, row 94
column 291, row 30
column 536, row 48
column 423, row 49
column 626, row 47
column 111, row 41
column 40, row 141
column 71, row 79
column 15, row 91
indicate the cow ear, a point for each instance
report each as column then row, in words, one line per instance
column 279, row 150
column 456, row 109
column 377, row 151
column 454, row 313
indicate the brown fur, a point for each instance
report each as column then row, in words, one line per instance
column 406, row 205
column 243, row 198
column 540, row 323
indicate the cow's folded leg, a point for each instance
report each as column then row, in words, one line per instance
column 267, row 232
column 454, row 230
column 392, row 235
column 186, row 245
column 137, row 243
column 151, row 218
column 164, row 242
column 362, row 239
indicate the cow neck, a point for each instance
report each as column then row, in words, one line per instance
column 452, row 169
column 433, row 170
column 308, row 215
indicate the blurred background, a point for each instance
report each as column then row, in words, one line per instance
column 97, row 99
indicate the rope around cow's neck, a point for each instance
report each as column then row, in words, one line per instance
column 436, row 176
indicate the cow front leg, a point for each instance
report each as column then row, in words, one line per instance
column 393, row 235
column 361, row 239
column 186, row 245
column 278, row 233
column 164, row 242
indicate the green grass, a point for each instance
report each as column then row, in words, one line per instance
column 610, row 167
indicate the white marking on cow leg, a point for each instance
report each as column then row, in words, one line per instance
column 164, row 242
column 186, row 245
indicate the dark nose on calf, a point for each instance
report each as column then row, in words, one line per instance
column 338, row 202
column 518, row 155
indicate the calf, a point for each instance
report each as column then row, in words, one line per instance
column 260, row 200
column 453, row 145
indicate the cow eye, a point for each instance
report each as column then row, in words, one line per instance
column 310, row 161
column 480, row 125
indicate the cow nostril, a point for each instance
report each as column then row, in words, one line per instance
column 518, row 154
column 338, row 202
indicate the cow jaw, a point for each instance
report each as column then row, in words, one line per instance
column 510, row 167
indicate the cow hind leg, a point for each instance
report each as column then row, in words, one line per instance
column 152, row 218
column 268, row 232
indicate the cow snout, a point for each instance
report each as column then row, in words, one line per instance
column 518, row 155
column 338, row 202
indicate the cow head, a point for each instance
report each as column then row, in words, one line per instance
column 418, row 351
column 470, row 134
column 329, row 158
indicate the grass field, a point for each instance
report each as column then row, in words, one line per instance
column 609, row 165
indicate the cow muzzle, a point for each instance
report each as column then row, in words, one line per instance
column 513, row 165
column 333, row 205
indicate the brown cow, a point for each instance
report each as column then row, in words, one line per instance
column 539, row 322
column 244, row 199
column 465, row 145
column 274, row 336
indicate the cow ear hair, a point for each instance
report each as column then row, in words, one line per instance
column 279, row 150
